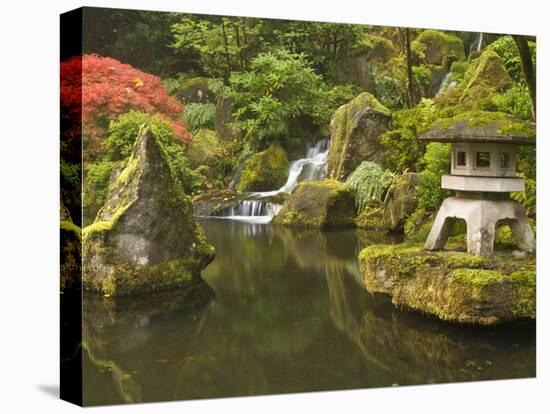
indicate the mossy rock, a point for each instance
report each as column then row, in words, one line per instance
column 195, row 90
column 400, row 201
column 223, row 116
column 371, row 219
column 319, row 204
column 265, row 171
column 376, row 48
column 144, row 237
column 434, row 47
column 204, row 148
column 356, row 131
column 485, row 77
column 453, row 285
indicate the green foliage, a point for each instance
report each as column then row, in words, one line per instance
column 279, row 87
column 124, row 130
column 199, row 116
column 71, row 188
column 458, row 70
column 402, row 149
column 388, row 89
column 506, row 48
column 171, row 85
column 515, row 101
column 370, row 182
column 96, row 186
column 435, row 163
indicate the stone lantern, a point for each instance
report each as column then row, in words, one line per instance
column 483, row 173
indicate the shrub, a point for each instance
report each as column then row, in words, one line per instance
column 279, row 87
column 435, row 163
column 96, row 185
column 199, row 116
column 124, row 130
column 515, row 101
column 110, row 88
column 402, row 149
column 370, row 182
column 507, row 50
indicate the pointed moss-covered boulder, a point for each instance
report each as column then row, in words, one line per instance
column 487, row 77
column 144, row 238
column 355, row 130
column 319, row 204
column 266, row 170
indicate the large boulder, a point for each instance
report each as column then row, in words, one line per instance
column 435, row 47
column 144, row 238
column 400, row 201
column 356, row 129
column 453, row 285
column 487, row 77
column 204, row 148
column 265, row 171
column 222, row 117
column 320, row 204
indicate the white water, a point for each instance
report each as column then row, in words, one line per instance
column 313, row 167
column 476, row 45
column 445, row 84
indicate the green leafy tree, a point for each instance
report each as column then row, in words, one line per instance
column 280, row 89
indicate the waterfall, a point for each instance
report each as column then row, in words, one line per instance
column 445, row 84
column 475, row 46
column 479, row 42
column 258, row 207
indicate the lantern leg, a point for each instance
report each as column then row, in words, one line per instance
column 441, row 229
column 480, row 234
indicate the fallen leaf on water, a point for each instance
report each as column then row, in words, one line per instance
column 162, row 360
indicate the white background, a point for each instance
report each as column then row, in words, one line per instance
column 29, row 205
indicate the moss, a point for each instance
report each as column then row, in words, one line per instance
column 320, row 204
column 69, row 226
column 204, row 148
column 266, row 170
column 452, row 285
column 505, row 124
column 371, row 218
column 434, row 46
column 466, row 260
column 354, row 140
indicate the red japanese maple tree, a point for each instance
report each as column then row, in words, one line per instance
column 99, row 89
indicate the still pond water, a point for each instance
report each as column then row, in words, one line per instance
column 281, row 311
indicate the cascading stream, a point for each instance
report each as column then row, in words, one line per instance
column 257, row 208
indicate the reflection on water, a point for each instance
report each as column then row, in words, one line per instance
column 289, row 315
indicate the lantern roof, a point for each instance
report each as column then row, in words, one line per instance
column 481, row 126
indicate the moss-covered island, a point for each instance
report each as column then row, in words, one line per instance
column 145, row 237
column 453, row 285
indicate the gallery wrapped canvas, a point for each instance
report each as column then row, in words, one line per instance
column 253, row 206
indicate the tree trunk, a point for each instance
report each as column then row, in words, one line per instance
column 227, row 56
column 410, row 78
column 528, row 70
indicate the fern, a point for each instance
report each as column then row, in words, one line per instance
column 199, row 115
column 370, row 182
